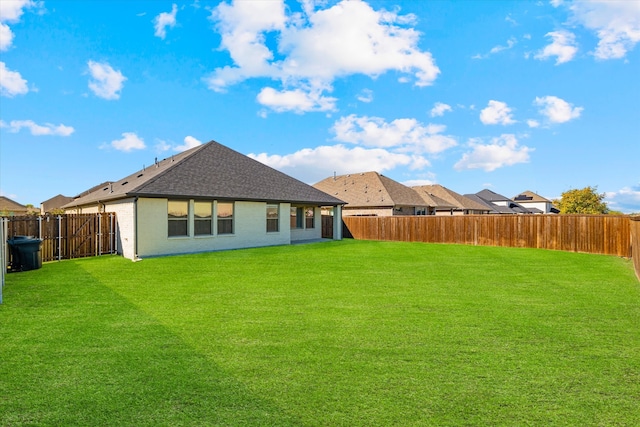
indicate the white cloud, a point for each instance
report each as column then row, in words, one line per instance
column 189, row 142
column 37, row 130
column 626, row 200
column 130, row 141
column 496, row 113
column 557, row 110
column 563, row 47
column 365, row 96
column 533, row 123
column 296, row 100
column 164, row 20
column 615, row 22
column 356, row 39
column 107, row 82
column 314, row 164
column 439, row 109
column 10, row 11
column 11, row 82
column 502, row 151
column 401, row 134
column 497, row 49
column 6, row 37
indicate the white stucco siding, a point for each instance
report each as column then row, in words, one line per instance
column 250, row 230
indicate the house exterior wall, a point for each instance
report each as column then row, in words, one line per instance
column 298, row 234
column 543, row 206
column 449, row 213
column 375, row 211
column 250, row 229
column 125, row 226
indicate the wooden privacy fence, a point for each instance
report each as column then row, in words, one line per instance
column 635, row 243
column 597, row 234
column 66, row 236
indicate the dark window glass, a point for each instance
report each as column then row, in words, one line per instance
column 225, row 218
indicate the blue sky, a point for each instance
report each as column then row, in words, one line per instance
column 506, row 95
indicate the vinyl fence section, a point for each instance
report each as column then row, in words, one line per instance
column 635, row 243
column 67, row 236
column 598, row 234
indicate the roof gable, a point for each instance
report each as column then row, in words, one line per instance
column 369, row 189
column 211, row 170
column 450, row 196
column 492, row 196
column 530, row 197
column 7, row 204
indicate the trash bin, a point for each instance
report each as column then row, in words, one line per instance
column 26, row 253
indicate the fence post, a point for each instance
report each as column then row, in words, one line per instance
column 99, row 233
column 59, row 237
column 3, row 252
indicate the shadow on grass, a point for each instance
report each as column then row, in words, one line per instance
column 77, row 353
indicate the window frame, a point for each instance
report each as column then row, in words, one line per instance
column 202, row 220
column 309, row 219
column 172, row 221
column 274, row 222
column 223, row 220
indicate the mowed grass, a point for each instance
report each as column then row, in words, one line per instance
column 349, row 333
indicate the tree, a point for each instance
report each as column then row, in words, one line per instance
column 582, row 201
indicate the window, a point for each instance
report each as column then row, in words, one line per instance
column 178, row 216
column 296, row 217
column 225, row 218
column 202, row 218
column 272, row 218
column 309, row 217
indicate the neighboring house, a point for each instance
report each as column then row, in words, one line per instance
column 373, row 194
column 460, row 205
column 54, row 204
column 498, row 203
column 205, row 199
column 532, row 201
column 10, row 208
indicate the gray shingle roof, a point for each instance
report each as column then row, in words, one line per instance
column 211, row 170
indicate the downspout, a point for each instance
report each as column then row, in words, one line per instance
column 135, row 231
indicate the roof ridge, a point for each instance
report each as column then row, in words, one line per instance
column 185, row 155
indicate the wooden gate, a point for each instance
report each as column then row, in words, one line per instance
column 67, row 236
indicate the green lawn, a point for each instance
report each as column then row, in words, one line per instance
column 349, row 333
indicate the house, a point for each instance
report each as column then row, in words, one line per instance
column 498, row 203
column 205, row 199
column 373, row 194
column 532, row 201
column 54, row 204
column 460, row 205
column 10, row 208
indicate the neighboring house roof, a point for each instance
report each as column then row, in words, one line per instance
column 451, row 197
column 530, row 196
column 434, row 201
column 210, row 170
column 492, row 208
column 11, row 207
column 369, row 189
column 55, row 202
column 491, row 198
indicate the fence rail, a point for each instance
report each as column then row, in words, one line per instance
column 598, row 234
column 67, row 236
